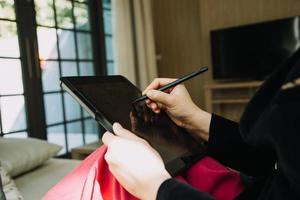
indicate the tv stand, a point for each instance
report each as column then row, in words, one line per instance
column 229, row 99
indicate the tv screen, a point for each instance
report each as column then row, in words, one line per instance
column 253, row 51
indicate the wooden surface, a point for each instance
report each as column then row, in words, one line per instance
column 182, row 32
column 229, row 99
column 80, row 153
column 178, row 44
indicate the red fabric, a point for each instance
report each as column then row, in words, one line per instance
column 92, row 180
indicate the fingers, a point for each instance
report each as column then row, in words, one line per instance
column 122, row 132
column 159, row 97
column 107, row 138
column 157, row 83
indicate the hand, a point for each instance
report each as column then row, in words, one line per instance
column 134, row 163
column 178, row 104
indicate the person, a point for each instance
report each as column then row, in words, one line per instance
column 264, row 145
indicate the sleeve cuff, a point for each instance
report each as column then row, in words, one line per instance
column 174, row 189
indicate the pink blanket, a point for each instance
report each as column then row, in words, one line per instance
column 92, row 180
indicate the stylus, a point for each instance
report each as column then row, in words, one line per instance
column 176, row 82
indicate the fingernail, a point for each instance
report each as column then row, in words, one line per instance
column 117, row 125
column 153, row 106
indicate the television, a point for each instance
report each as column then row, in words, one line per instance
column 253, row 52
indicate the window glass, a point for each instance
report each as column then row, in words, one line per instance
column 84, row 42
column 53, row 108
column 47, row 43
column 91, row 131
column 56, row 135
column 75, row 137
column 44, row 12
column 72, row 108
column 81, row 16
column 13, row 113
column 10, row 77
column 86, row 68
column 69, row 68
column 107, row 21
column 9, row 45
column 64, row 14
column 7, row 9
column 50, row 76
column 66, row 44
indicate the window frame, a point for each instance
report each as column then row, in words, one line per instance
column 31, row 71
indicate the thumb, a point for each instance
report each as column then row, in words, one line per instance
column 160, row 97
column 107, row 138
column 122, row 132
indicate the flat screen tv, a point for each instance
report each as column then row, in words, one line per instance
column 252, row 52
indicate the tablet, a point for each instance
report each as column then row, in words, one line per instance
column 109, row 99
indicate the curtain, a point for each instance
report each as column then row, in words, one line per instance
column 133, row 42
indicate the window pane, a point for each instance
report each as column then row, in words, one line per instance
column 107, row 21
column 74, row 135
column 55, row 134
column 16, row 135
column 86, row 69
column 106, row 4
column 109, row 50
column 7, row 9
column 110, row 68
column 64, row 14
column 84, row 41
column 47, row 43
column 81, row 16
column 9, row 44
column 44, row 12
column 85, row 113
column 91, row 131
column 72, row 108
column 66, row 44
column 53, row 108
column 69, row 68
column 10, row 77
column 13, row 114
column 50, row 76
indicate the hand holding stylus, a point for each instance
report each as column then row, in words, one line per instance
column 175, row 82
column 177, row 103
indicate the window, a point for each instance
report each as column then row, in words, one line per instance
column 13, row 120
column 107, row 16
column 65, row 49
column 40, row 41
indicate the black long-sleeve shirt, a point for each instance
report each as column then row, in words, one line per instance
column 265, row 145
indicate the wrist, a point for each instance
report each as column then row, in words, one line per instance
column 153, row 186
column 200, row 123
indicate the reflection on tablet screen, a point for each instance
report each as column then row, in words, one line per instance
column 113, row 98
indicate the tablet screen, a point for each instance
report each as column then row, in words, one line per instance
column 112, row 96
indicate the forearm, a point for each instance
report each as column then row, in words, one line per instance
column 199, row 124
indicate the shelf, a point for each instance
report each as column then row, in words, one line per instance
column 252, row 84
column 230, row 101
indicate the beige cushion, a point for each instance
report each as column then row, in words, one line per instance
column 34, row 184
column 20, row 155
column 10, row 190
